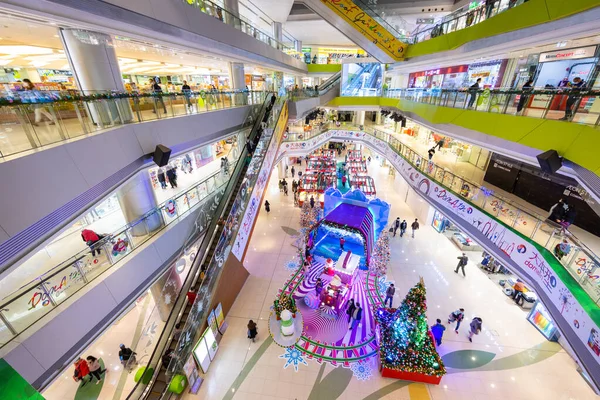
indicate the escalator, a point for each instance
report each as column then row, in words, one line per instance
column 329, row 83
column 200, row 272
column 358, row 83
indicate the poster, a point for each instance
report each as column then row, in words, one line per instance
column 201, row 354
column 212, row 323
column 219, row 315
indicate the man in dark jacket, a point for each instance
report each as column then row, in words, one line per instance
column 403, row 226
column 462, row 261
column 473, row 90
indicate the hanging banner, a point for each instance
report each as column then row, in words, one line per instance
column 370, row 28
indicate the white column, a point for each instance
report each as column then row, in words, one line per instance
column 232, row 16
column 238, row 81
column 96, row 69
column 298, row 45
column 277, row 34
column 360, row 117
column 299, row 81
column 136, row 198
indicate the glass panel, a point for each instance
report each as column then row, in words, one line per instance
column 192, row 197
column 169, row 211
column 92, row 266
column 5, row 334
column 182, row 204
column 63, row 284
column 120, row 245
column 30, row 306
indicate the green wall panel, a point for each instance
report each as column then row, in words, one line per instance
column 534, row 12
column 323, row 68
column 578, row 143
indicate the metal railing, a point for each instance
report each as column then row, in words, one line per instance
column 34, row 119
column 34, row 300
column 580, row 261
column 580, row 106
column 241, row 24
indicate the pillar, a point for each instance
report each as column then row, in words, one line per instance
column 281, row 167
column 298, row 45
column 238, row 81
column 379, row 118
column 96, row 69
column 360, row 117
column 277, row 31
column 299, row 81
column 278, row 82
column 136, row 198
column 232, row 16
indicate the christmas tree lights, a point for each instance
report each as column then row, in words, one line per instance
column 405, row 344
column 381, row 255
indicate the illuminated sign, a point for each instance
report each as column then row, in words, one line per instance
column 568, row 54
column 370, row 28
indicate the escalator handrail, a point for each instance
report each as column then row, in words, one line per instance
column 194, row 271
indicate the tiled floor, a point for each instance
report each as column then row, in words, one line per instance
column 510, row 359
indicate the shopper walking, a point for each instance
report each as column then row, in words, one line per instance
column 350, row 309
column 389, row 295
column 473, row 91
column 267, row 206
column 342, row 241
column 440, row 144
column 172, row 175
column 489, row 7
column 403, row 227
column 527, row 87
column 81, row 371
column 456, row 316
column 476, row 324
column 312, row 202
column 157, row 91
column 187, row 93
column 343, row 181
column 38, row 109
column 252, row 330
column 95, row 368
column 127, row 357
column 396, row 225
column 431, row 153
column 161, row 178
column 576, row 88
column 438, row 331
column 415, row 227
column 91, row 238
column 356, row 316
column 462, row 261
column 293, row 170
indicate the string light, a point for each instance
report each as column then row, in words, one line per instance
column 405, row 342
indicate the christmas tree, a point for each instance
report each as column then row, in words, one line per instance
column 406, row 345
column 381, row 255
column 306, row 216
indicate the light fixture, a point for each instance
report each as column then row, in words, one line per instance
column 38, row 64
column 25, row 50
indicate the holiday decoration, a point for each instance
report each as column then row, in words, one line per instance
column 381, row 255
column 406, row 349
column 361, row 371
column 293, row 356
column 284, row 303
column 287, row 323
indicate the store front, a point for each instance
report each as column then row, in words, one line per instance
column 490, row 72
column 558, row 67
column 329, row 55
column 256, row 82
column 445, row 78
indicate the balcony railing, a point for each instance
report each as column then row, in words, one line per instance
column 34, row 119
column 566, row 105
column 301, row 94
column 581, row 262
column 34, row 300
column 241, row 24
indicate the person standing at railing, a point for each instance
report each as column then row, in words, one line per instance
column 576, row 87
column 527, row 87
column 187, row 93
column 473, row 90
column 38, row 109
column 489, row 7
column 91, row 238
column 157, row 90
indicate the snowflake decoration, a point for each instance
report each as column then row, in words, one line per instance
column 566, row 299
column 167, row 299
column 291, row 265
column 361, row 371
column 293, row 356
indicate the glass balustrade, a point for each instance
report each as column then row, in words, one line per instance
column 579, row 107
column 26, row 306
column 578, row 259
column 241, row 24
column 33, row 120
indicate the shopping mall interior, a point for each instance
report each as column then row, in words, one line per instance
column 316, row 199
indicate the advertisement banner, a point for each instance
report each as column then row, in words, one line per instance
column 241, row 241
column 370, row 28
column 520, row 250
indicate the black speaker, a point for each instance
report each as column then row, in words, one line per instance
column 550, row 161
column 161, row 155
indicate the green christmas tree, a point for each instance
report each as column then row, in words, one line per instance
column 405, row 342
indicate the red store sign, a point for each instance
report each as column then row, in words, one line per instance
column 441, row 71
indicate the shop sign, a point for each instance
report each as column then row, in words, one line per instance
column 370, row 28
column 427, row 21
column 520, row 250
column 568, row 54
column 442, row 71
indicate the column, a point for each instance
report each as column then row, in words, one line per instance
column 238, row 82
column 232, row 16
column 299, row 81
column 281, row 168
column 298, row 45
column 136, row 198
column 96, row 69
column 360, row 117
column 277, row 33
column 378, row 118
column 278, row 82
